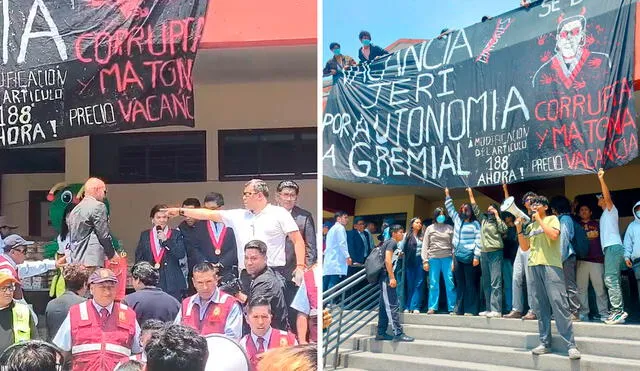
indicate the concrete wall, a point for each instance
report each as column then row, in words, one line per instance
column 257, row 105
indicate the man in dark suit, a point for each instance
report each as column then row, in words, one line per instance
column 215, row 242
column 190, row 238
column 287, row 197
column 149, row 301
column 75, row 278
column 358, row 242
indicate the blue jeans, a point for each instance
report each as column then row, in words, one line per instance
column 507, row 281
column 437, row 265
column 329, row 281
column 415, row 285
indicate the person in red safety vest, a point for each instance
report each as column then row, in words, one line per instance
column 306, row 303
column 210, row 310
column 263, row 337
column 97, row 333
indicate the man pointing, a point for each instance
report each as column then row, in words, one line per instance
column 259, row 220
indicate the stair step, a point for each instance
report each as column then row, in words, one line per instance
column 581, row 329
column 516, row 339
column 383, row 362
column 493, row 355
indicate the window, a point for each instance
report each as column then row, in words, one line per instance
column 32, row 160
column 267, row 154
column 167, row 157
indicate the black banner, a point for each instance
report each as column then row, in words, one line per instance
column 77, row 67
column 534, row 93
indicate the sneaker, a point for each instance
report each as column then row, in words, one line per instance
column 406, row 311
column 603, row 318
column 616, row 318
column 416, row 312
column 574, row 353
column 483, row 314
column 515, row 314
column 584, row 317
column 494, row 315
column 431, row 311
column 453, row 313
column 541, row 349
column 403, row 337
column 575, row 318
column 530, row 316
column 384, row 336
column 469, row 314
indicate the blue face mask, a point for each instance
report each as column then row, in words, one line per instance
column 638, row 213
column 336, row 51
column 366, row 42
column 440, row 219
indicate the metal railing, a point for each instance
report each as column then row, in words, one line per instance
column 353, row 304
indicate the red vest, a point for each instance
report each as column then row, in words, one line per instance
column 95, row 347
column 312, row 296
column 278, row 339
column 215, row 317
column 6, row 266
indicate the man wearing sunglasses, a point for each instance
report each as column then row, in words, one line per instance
column 259, row 220
column 12, row 261
column 16, row 320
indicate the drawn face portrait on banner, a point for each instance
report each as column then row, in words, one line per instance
column 571, row 37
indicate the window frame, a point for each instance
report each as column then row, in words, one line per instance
column 148, row 139
column 297, row 131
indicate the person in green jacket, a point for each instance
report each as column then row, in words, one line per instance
column 492, row 228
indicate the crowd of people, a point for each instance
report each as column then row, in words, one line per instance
column 490, row 258
column 247, row 275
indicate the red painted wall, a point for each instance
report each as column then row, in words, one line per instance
column 231, row 24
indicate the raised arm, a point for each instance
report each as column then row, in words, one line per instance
column 200, row 214
column 474, row 206
column 605, row 190
column 505, row 190
column 451, row 210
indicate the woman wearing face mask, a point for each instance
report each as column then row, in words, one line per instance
column 467, row 246
column 437, row 256
column 163, row 248
column 415, row 275
column 369, row 52
column 492, row 228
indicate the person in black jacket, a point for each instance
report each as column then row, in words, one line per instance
column 287, row 196
column 163, row 248
column 258, row 280
column 148, row 301
column 369, row 52
column 190, row 237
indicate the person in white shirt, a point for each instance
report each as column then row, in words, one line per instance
column 336, row 255
column 259, row 220
column 613, row 252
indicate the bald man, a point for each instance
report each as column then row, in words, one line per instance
column 89, row 227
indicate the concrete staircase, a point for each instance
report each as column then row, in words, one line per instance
column 446, row 342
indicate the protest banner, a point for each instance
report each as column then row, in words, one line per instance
column 72, row 68
column 538, row 92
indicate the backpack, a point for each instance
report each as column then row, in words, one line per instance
column 374, row 264
column 580, row 242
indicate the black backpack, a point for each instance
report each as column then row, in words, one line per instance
column 374, row 264
column 580, row 242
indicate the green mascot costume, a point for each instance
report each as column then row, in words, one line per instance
column 61, row 196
